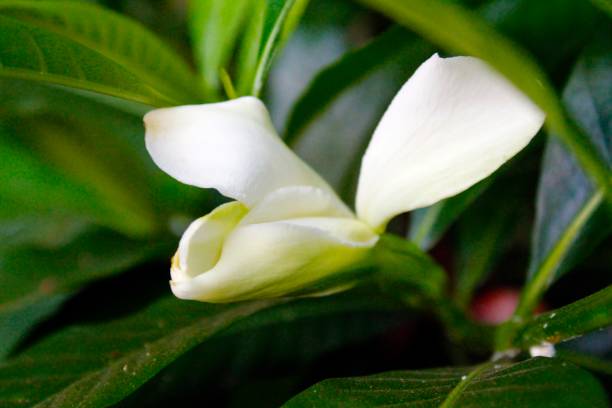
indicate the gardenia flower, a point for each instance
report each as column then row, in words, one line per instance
column 287, row 233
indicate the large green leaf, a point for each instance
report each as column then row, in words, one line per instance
column 570, row 218
column 215, row 26
column 539, row 382
column 96, row 365
column 461, row 31
column 585, row 315
column 284, row 339
column 80, row 45
column 37, row 278
column 107, row 145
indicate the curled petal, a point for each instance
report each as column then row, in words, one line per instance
column 297, row 202
column 451, row 125
column 271, row 259
column 231, row 146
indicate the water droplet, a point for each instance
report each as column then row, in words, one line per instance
column 545, row 325
column 463, row 377
column 125, row 368
column 552, row 315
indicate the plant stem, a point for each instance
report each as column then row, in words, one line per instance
column 534, row 289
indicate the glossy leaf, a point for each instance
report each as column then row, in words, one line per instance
column 568, row 224
column 461, row 31
column 282, row 336
column 37, row 278
column 97, row 365
column 215, row 26
column 80, row 45
column 538, row 382
column 585, row 315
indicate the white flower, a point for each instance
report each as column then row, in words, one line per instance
column 451, row 125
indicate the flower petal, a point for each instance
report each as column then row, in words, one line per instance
column 280, row 258
column 297, row 202
column 231, row 146
column 202, row 242
column 451, row 125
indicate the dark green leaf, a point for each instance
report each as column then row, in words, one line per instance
column 461, row 31
column 80, row 45
column 539, row 382
column 486, row 229
column 427, row 225
column 583, row 316
column 587, row 361
column 97, row 365
column 289, row 335
column 35, row 279
column 405, row 269
column 570, row 219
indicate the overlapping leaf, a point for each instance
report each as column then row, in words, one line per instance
column 80, row 45
column 571, row 218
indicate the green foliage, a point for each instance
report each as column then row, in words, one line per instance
column 81, row 201
column 568, row 222
column 41, row 276
column 585, row 315
column 539, row 382
column 83, row 46
column 101, row 363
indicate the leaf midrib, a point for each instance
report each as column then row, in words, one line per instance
column 167, row 93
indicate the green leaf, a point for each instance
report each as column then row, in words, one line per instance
column 427, row 225
column 215, row 26
column 281, row 336
column 538, row 382
column 318, row 128
column 605, row 5
column 568, row 224
column 279, row 19
column 461, row 31
column 108, row 161
column 404, row 268
column 37, row 278
column 81, row 45
column 485, row 230
column 585, row 315
column 97, row 365
column 586, row 361
column 351, row 68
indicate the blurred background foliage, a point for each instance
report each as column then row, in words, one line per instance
column 88, row 223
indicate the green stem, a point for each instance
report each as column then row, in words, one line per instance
column 541, row 279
